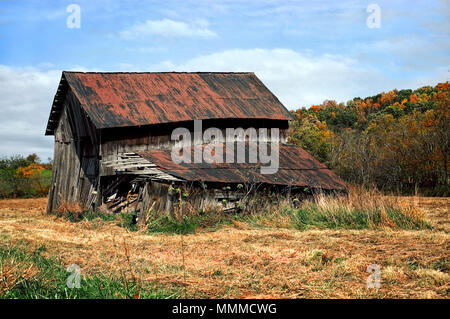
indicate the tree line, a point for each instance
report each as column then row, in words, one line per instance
column 397, row 141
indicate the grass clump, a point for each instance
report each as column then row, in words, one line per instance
column 188, row 224
column 26, row 275
column 128, row 221
column 358, row 211
column 275, row 218
column 74, row 212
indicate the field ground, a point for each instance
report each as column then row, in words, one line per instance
column 244, row 261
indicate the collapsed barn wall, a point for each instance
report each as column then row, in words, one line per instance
column 118, row 141
column 143, row 196
column 133, row 193
column 148, row 199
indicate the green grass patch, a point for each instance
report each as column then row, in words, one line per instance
column 405, row 221
column 47, row 174
column 127, row 220
column 31, row 276
column 189, row 224
column 442, row 264
column 88, row 215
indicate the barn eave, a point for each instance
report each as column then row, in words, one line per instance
column 57, row 106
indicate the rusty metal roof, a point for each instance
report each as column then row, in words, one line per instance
column 133, row 99
column 296, row 168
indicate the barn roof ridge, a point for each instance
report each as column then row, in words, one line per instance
column 160, row 72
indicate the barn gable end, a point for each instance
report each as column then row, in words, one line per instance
column 76, row 156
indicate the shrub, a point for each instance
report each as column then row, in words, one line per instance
column 15, row 184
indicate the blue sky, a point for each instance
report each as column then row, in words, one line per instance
column 304, row 51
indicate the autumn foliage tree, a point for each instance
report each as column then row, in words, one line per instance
column 312, row 135
column 396, row 141
column 30, row 170
column 24, row 176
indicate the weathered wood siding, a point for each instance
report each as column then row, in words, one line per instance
column 75, row 163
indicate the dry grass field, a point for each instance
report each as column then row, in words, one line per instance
column 244, row 261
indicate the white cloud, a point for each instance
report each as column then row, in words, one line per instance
column 302, row 79
column 169, row 29
column 26, row 97
column 297, row 79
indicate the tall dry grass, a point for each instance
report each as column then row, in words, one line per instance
column 68, row 209
column 359, row 209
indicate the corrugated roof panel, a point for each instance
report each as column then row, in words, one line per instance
column 296, row 168
column 133, row 99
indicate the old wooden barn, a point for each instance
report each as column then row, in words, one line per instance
column 113, row 142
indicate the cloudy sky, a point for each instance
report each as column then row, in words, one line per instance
column 304, row 51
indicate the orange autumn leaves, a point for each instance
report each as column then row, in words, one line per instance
column 30, row 170
column 397, row 140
